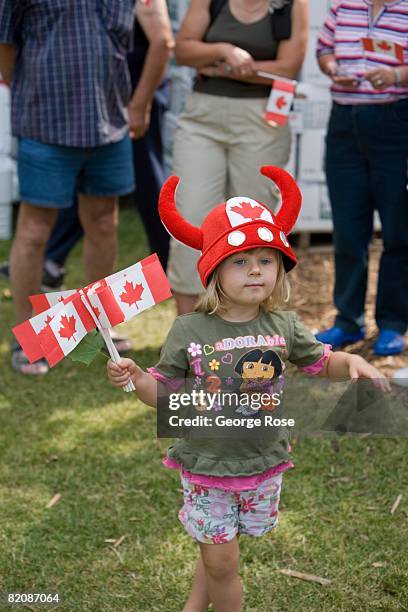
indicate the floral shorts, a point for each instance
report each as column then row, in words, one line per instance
column 215, row 516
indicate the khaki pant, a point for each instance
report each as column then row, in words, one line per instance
column 220, row 144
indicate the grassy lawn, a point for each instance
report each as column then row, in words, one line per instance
column 72, row 434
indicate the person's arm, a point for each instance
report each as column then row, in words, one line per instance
column 155, row 22
column 341, row 365
column 325, row 52
column 7, row 61
column 192, row 51
column 127, row 370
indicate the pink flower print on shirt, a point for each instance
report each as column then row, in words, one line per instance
column 195, row 349
column 248, row 505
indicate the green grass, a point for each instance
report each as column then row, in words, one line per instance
column 72, row 433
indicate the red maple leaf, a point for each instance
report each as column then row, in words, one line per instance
column 67, row 329
column 245, row 209
column 384, row 46
column 281, row 102
column 96, row 311
column 131, row 294
column 47, row 321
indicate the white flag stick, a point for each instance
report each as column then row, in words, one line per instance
column 274, row 77
column 113, row 352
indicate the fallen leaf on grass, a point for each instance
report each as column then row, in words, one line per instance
column 307, row 577
column 52, row 458
column 379, row 564
column 405, row 513
column 117, row 553
column 7, row 294
column 396, row 503
column 53, row 501
column 119, row 541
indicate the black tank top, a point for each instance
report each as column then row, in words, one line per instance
column 256, row 38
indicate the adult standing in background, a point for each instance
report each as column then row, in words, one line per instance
column 152, row 43
column 222, row 139
column 366, row 163
column 152, row 46
column 70, row 87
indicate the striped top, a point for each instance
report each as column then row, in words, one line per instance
column 347, row 22
column 71, row 83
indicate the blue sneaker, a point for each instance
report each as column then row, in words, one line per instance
column 337, row 337
column 389, row 342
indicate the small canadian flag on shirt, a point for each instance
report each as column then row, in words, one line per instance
column 384, row 47
column 279, row 102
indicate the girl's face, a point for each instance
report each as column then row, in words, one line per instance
column 249, row 277
column 255, row 370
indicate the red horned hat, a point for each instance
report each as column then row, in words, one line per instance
column 239, row 224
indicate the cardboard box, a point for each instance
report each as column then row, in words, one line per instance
column 312, row 148
column 315, row 215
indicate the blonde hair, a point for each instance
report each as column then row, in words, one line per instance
column 214, row 300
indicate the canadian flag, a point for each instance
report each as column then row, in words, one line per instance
column 130, row 292
column 55, row 332
column 279, row 102
column 63, row 333
column 30, row 332
column 384, row 47
column 120, row 296
column 43, row 301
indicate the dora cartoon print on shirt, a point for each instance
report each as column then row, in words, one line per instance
column 261, row 372
column 224, row 365
column 214, row 355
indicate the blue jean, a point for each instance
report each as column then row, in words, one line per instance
column 366, row 169
column 50, row 175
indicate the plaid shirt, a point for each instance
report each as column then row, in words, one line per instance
column 71, row 84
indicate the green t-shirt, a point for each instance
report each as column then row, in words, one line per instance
column 206, row 348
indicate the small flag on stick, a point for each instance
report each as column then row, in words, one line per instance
column 64, row 318
column 279, row 102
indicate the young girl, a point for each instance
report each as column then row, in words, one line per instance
column 232, row 487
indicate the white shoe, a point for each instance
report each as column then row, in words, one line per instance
column 400, row 377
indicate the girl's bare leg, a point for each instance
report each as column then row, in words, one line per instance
column 198, row 600
column 223, row 583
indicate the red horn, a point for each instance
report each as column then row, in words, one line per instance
column 174, row 223
column 291, row 196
